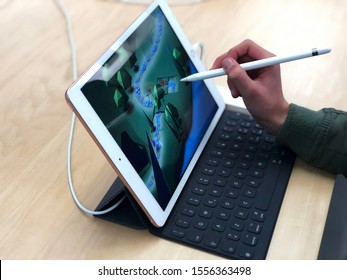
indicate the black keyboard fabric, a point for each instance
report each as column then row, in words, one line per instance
column 231, row 202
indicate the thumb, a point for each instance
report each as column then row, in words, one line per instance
column 238, row 80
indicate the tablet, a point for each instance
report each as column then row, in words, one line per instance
column 151, row 127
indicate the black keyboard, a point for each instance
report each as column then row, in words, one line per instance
column 231, row 202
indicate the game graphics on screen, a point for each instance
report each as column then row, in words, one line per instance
column 148, row 111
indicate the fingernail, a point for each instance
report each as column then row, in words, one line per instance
column 227, row 63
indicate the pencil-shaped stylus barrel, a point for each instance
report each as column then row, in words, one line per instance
column 256, row 64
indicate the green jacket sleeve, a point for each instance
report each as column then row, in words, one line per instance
column 318, row 137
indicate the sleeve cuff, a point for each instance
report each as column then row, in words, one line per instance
column 301, row 131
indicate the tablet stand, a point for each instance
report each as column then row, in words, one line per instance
column 128, row 213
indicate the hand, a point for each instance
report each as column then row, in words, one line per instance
column 261, row 89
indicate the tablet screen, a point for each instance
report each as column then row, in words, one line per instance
column 156, row 120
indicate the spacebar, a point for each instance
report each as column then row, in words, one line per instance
column 267, row 188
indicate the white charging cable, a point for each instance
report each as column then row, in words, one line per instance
column 62, row 8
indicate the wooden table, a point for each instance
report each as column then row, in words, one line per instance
column 39, row 219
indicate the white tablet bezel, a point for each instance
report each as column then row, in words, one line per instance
column 84, row 111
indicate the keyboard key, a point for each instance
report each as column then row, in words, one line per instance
column 254, row 139
column 188, row 212
column 237, row 226
column 212, row 241
column 233, row 155
column 231, row 123
column 183, row 223
column 276, row 161
column 248, row 156
column 246, row 124
column 233, row 236
column 224, row 172
column 227, row 204
column 254, row 227
column 177, row 233
column 246, row 253
column 250, row 239
column 211, row 202
column 254, row 183
column 225, row 137
column 239, row 138
column 243, row 131
column 195, row 236
column 245, row 203
column 220, row 182
column 256, row 173
column 228, row 247
column 217, row 153
column 206, row 213
column 203, row 180
column 251, row 148
column 258, row 216
column 228, row 163
column 232, row 193
column 201, row 224
column 241, row 214
column 193, row 201
column 199, row 190
column 228, row 129
column 249, row 192
column 240, row 174
column 212, row 162
column 236, row 147
column 218, row 226
column 260, row 164
column 221, row 145
column 215, row 192
column 244, row 165
column 257, row 132
column 208, row 171
column 236, row 183
column 223, row 215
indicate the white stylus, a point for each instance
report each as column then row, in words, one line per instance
column 256, row 64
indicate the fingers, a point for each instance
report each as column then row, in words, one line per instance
column 238, row 80
column 248, row 49
column 243, row 52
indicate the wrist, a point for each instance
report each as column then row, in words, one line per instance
column 281, row 117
